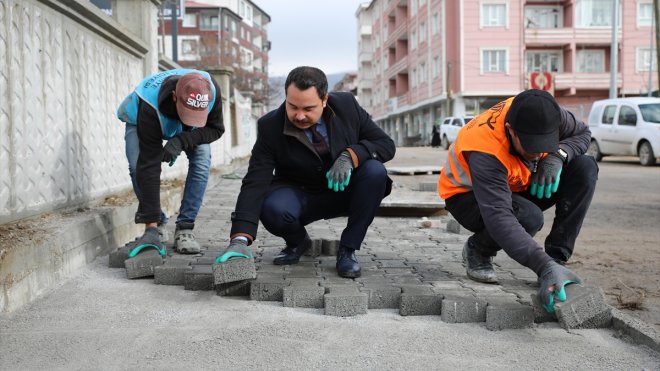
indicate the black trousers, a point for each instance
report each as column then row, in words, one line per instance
column 286, row 211
column 572, row 200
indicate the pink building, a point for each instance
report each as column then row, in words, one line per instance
column 421, row 60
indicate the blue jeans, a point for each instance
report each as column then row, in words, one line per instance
column 199, row 166
column 287, row 210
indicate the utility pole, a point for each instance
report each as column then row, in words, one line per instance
column 175, row 56
column 614, row 51
column 656, row 14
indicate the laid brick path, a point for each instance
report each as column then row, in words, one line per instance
column 416, row 270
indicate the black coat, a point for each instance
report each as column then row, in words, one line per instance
column 283, row 156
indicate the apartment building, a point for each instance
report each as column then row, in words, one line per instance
column 422, row 60
column 230, row 33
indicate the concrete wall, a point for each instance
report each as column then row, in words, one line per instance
column 64, row 68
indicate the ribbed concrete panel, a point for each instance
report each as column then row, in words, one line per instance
column 5, row 150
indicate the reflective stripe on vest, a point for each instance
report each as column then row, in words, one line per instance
column 485, row 133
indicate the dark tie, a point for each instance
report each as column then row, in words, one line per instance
column 319, row 143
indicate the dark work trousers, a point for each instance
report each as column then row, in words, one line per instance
column 286, row 211
column 572, row 200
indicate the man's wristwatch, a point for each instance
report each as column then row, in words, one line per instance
column 562, row 154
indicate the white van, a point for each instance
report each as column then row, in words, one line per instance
column 449, row 129
column 625, row 127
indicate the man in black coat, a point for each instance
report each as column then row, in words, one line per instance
column 318, row 156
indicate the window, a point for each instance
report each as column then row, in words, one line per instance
column 646, row 60
column 190, row 20
column 208, row 22
column 414, row 77
column 591, row 61
column 594, row 13
column 422, row 32
column 627, row 116
column 436, row 67
column 544, row 17
column 544, row 61
column 493, row 60
column 644, row 13
column 413, row 40
column 422, row 73
column 608, row 115
column 189, row 47
column 493, row 15
column 435, row 24
column 413, row 7
column 245, row 10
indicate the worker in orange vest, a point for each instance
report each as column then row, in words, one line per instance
column 507, row 166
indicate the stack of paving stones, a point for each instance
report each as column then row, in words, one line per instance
column 416, row 271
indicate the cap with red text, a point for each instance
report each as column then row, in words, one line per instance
column 193, row 94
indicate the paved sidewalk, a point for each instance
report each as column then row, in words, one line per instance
column 413, row 308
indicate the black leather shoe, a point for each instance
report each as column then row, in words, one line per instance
column 292, row 254
column 347, row 264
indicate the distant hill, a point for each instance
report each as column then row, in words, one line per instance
column 276, row 83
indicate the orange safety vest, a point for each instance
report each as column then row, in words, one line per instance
column 485, row 133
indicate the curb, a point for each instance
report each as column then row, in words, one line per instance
column 75, row 238
column 634, row 330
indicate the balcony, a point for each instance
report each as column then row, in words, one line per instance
column 583, row 81
column 565, row 36
column 399, row 66
column 400, row 32
column 365, row 57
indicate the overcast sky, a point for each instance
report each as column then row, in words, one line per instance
column 319, row 33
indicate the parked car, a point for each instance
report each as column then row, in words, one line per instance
column 625, row 127
column 449, row 129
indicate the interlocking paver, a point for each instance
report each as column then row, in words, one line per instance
column 585, row 307
column 143, row 264
column 418, row 271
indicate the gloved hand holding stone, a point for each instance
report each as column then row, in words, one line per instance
column 340, row 173
column 552, row 280
column 172, row 149
column 545, row 180
column 238, row 248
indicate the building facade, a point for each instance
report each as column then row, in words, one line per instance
column 422, row 60
column 223, row 33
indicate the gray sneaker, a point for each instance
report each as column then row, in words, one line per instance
column 164, row 234
column 478, row 267
column 184, row 242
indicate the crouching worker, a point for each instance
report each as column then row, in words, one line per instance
column 184, row 107
column 318, row 156
column 508, row 165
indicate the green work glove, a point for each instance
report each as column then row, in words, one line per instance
column 340, row 173
column 555, row 276
column 545, row 180
column 238, row 248
column 172, row 149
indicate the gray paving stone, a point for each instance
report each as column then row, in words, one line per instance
column 345, row 301
column 234, row 270
column 199, row 278
column 329, row 247
column 268, row 287
column 463, row 309
column 118, row 257
column 316, row 249
column 585, row 307
column 303, row 296
column 382, row 296
column 419, row 301
column 143, row 264
column 453, row 226
column 508, row 315
column 238, row 288
column 172, row 272
column 540, row 314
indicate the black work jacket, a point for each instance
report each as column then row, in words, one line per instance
column 283, row 156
